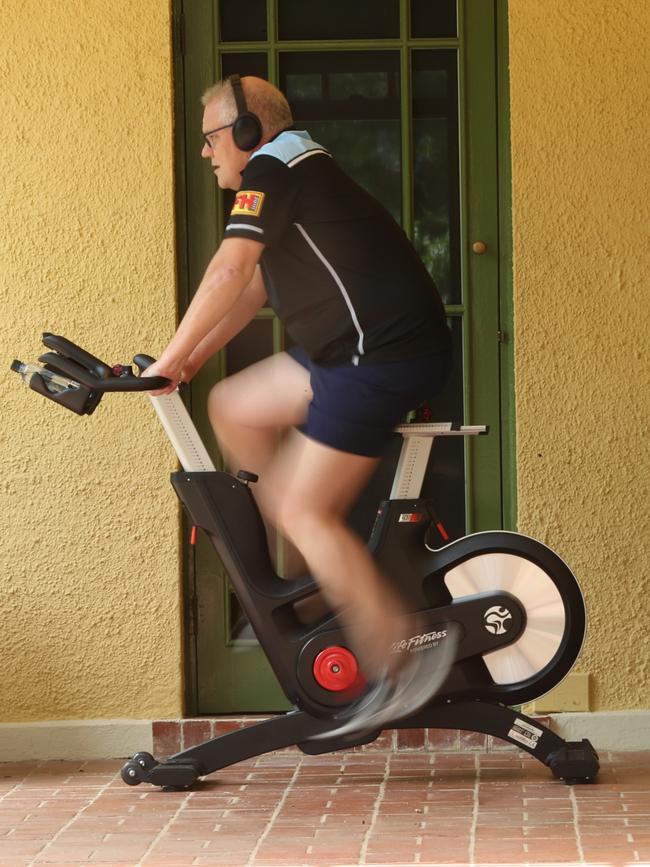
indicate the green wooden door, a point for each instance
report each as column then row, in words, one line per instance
column 404, row 93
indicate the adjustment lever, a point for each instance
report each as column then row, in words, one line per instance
column 122, row 370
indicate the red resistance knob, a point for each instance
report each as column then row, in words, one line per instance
column 336, row 669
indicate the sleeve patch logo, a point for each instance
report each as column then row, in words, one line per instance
column 248, row 202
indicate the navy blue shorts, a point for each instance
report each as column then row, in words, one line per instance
column 355, row 408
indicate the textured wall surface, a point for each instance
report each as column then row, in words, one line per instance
column 580, row 78
column 89, row 558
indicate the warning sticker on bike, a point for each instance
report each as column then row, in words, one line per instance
column 525, row 733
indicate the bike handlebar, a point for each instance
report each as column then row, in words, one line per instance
column 75, row 362
column 94, row 376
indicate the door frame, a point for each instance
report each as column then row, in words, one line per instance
column 503, row 474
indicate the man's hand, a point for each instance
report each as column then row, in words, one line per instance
column 173, row 371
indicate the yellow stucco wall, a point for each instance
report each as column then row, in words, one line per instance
column 89, row 559
column 579, row 77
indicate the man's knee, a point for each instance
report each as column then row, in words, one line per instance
column 297, row 521
column 222, row 402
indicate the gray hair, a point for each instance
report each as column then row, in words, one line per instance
column 262, row 99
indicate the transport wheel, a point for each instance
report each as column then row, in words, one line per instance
column 132, row 773
column 145, row 760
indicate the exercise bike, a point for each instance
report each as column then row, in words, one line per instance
column 515, row 604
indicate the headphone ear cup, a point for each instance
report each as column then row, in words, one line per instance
column 247, row 132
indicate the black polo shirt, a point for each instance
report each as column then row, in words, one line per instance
column 339, row 272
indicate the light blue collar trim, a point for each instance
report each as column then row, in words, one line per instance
column 288, row 145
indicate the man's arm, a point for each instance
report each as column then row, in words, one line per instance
column 237, row 318
column 229, row 273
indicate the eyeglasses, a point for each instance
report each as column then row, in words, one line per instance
column 208, row 135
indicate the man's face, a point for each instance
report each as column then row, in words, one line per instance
column 227, row 161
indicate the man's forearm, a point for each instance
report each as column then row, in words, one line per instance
column 231, row 270
column 241, row 313
column 218, row 292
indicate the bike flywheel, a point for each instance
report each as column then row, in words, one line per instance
column 540, row 599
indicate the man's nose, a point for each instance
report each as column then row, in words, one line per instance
column 206, row 151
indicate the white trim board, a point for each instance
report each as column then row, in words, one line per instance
column 616, row 730
column 104, row 739
column 74, row 739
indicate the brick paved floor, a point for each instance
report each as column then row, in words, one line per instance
column 357, row 808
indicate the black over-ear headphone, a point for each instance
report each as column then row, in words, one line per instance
column 247, row 129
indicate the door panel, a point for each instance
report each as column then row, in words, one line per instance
column 409, row 110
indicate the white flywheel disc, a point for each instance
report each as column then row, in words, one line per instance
column 538, row 596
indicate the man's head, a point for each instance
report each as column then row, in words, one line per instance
column 219, row 115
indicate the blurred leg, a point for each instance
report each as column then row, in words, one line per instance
column 310, row 489
column 249, row 411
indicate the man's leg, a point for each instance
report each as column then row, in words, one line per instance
column 249, row 409
column 307, row 491
column 310, row 489
column 248, row 412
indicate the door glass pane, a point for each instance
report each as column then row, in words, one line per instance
column 238, row 626
column 349, row 102
column 444, row 482
column 245, row 63
column 436, row 199
column 433, row 18
column 338, row 19
column 252, row 344
column 242, row 22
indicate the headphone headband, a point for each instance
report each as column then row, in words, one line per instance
column 247, row 128
column 238, row 93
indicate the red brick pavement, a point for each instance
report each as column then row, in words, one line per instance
column 289, row 810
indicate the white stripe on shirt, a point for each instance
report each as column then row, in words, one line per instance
column 311, row 153
column 339, row 283
column 244, row 226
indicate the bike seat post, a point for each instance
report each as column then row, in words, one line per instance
column 411, row 467
column 416, row 450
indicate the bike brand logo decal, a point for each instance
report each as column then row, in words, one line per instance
column 497, row 620
column 418, row 642
column 248, row 202
column 411, row 518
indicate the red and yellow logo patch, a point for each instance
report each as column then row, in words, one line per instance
column 248, row 202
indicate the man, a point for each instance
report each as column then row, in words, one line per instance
column 372, row 343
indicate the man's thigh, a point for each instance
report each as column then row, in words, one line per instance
column 274, row 392
column 310, row 477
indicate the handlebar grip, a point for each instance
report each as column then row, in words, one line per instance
column 70, row 350
column 64, row 365
column 142, row 362
column 133, row 383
